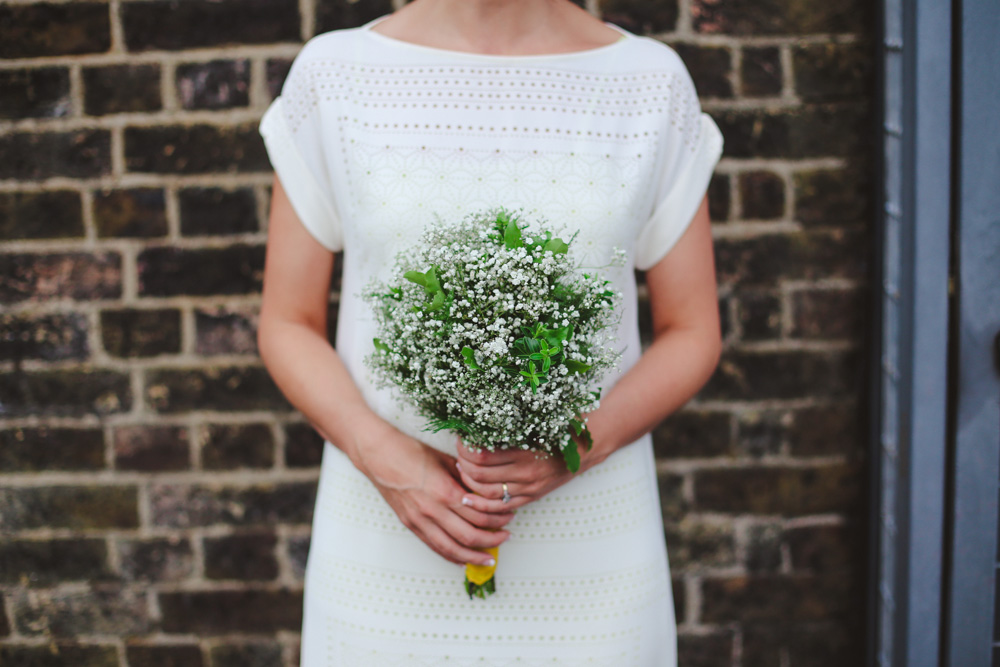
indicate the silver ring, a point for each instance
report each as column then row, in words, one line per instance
column 506, row 493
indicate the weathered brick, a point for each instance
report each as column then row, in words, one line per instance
column 215, row 388
column 49, row 336
column 152, row 448
column 90, row 506
column 31, row 156
column 672, row 502
column 759, row 315
column 334, row 14
column 236, row 446
column 41, row 215
column 763, row 550
column 224, row 330
column 168, row 559
column 826, row 430
column 64, row 392
column 680, row 598
column 689, row 434
column 217, row 84
column 298, row 555
column 303, row 446
column 761, row 71
column 244, row 556
column 643, row 17
column 48, row 448
column 121, row 89
column 766, row 260
column 719, row 198
column 821, row 130
column 762, row 432
column 256, row 654
column 276, row 72
column 714, row 649
column 194, row 149
column 773, row 597
column 725, row 316
column 710, row 67
column 755, row 376
column 809, row 644
column 171, row 25
column 694, row 544
column 141, row 333
column 833, row 71
column 40, row 562
column 829, row 314
column 73, row 275
column 54, row 29
column 826, row 549
column 170, row 271
column 164, row 655
column 133, row 213
column 5, row 628
column 208, row 211
column 39, row 92
column 779, row 490
column 834, row 196
column 779, row 17
column 58, row 654
column 223, row 612
column 183, row 506
column 109, row 610
column 762, row 195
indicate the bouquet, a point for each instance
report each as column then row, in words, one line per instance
column 490, row 331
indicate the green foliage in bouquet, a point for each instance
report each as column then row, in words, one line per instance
column 491, row 332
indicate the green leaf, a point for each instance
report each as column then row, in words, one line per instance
column 470, row 357
column 512, row 235
column 437, row 303
column 574, row 366
column 571, row 456
column 380, row 346
column 557, row 246
column 416, row 277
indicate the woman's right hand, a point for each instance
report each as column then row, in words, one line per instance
column 422, row 486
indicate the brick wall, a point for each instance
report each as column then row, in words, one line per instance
column 156, row 489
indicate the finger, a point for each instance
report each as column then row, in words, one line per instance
column 486, row 458
column 446, row 546
column 489, row 521
column 468, row 535
column 522, row 472
column 493, row 506
column 488, row 490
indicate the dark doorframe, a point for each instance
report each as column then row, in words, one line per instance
column 970, row 636
column 936, row 433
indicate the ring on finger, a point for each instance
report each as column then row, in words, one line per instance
column 506, row 493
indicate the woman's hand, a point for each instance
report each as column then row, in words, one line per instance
column 528, row 475
column 421, row 485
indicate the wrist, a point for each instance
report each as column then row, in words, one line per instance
column 605, row 442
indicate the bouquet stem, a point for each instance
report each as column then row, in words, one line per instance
column 479, row 579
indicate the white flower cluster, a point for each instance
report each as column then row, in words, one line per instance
column 490, row 331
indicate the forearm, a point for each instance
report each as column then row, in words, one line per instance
column 315, row 380
column 672, row 370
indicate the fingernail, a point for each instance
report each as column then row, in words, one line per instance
column 466, row 500
column 490, row 563
column 458, row 465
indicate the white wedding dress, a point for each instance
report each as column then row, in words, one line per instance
column 373, row 139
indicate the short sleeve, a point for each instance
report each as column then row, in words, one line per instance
column 294, row 138
column 691, row 147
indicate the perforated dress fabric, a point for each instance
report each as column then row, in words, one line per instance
column 373, row 140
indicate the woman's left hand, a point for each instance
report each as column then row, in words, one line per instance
column 527, row 474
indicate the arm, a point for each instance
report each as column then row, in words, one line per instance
column 684, row 352
column 416, row 480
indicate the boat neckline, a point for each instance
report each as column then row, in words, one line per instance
column 598, row 50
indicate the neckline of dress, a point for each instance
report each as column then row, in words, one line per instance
column 599, row 50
